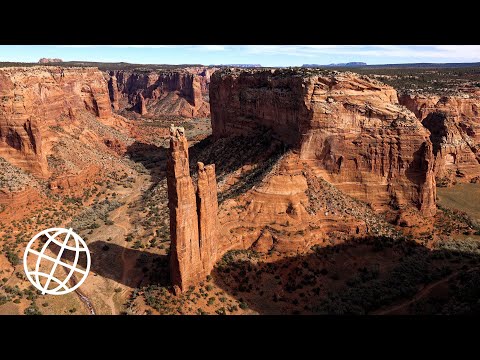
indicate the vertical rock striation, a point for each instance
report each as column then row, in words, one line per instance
column 454, row 124
column 113, row 92
column 32, row 99
column 180, row 92
column 141, row 107
column 349, row 128
column 193, row 216
column 207, row 207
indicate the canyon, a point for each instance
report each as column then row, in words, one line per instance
column 302, row 173
column 454, row 124
column 56, row 122
column 180, row 92
column 338, row 127
column 32, row 103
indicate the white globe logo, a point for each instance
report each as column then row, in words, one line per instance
column 47, row 268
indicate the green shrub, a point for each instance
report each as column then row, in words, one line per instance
column 243, row 306
column 32, row 310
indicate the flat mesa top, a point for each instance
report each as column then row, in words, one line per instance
column 45, row 67
column 298, row 73
column 281, row 72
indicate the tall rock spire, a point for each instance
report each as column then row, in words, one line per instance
column 207, row 208
column 193, row 218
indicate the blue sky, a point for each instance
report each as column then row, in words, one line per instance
column 265, row 55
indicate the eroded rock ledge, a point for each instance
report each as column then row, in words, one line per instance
column 349, row 128
column 454, row 123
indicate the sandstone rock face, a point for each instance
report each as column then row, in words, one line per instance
column 75, row 181
column 181, row 92
column 21, row 199
column 185, row 247
column 113, row 91
column 207, row 208
column 264, row 243
column 290, row 210
column 454, row 124
column 34, row 98
column 141, row 107
column 193, row 217
column 349, row 129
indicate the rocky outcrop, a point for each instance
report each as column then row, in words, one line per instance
column 349, row 129
column 26, row 198
column 76, row 182
column 207, row 209
column 421, row 105
column 113, row 92
column 115, row 145
column 182, row 92
column 33, row 99
column 49, row 60
column 264, row 243
column 141, row 107
column 454, row 124
column 193, row 216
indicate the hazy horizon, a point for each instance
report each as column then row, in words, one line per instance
column 265, row 55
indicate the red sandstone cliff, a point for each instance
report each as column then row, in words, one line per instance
column 32, row 99
column 454, row 123
column 207, row 208
column 169, row 92
column 349, row 129
column 193, row 217
column 113, row 92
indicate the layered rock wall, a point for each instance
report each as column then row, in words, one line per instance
column 168, row 92
column 34, row 98
column 454, row 124
column 350, row 129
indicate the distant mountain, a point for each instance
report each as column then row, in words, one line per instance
column 349, row 64
column 398, row 66
column 48, row 60
column 424, row 65
column 354, row 63
column 240, row 65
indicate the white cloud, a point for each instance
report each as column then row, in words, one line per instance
column 209, row 47
column 194, row 47
column 117, row 46
column 414, row 53
column 417, row 52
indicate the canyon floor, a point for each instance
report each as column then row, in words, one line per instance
column 115, row 218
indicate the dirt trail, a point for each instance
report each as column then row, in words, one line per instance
column 123, row 221
column 421, row 294
column 123, row 225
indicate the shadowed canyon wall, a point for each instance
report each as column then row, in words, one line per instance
column 349, row 128
column 454, row 123
column 182, row 92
